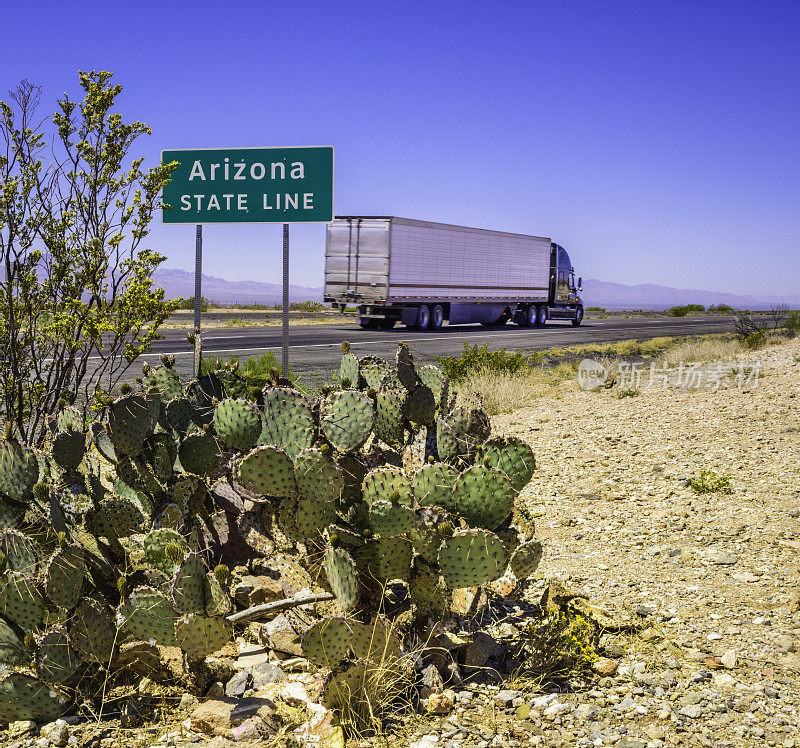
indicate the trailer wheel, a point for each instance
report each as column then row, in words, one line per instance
column 578, row 316
column 423, row 317
column 366, row 323
column 387, row 323
column 437, row 317
column 521, row 316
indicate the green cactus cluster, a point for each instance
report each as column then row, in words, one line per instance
column 104, row 527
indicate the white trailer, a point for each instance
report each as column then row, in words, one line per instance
column 423, row 273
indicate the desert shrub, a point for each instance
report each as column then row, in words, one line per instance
column 792, row 323
column 628, row 393
column 756, row 340
column 721, row 309
column 710, row 482
column 188, row 303
column 557, row 647
column 255, row 370
column 476, row 358
column 682, row 311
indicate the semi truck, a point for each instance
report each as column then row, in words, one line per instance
column 423, row 274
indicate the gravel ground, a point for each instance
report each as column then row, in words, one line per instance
column 714, row 577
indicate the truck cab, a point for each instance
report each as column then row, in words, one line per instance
column 565, row 300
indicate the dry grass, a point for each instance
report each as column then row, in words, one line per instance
column 704, row 350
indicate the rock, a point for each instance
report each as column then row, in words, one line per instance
column 280, row 636
column 431, row 682
column 504, row 586
column 21, row 729
column 237, row 685
column 586, row 712
column 219, row 716
column 253, row 728
column 426, row 741
column 691, row 710
column 724, row 559
column 556, row 709
column 320, row 730
column 251, row 590
column 505, row 698
column 266, row 672
column 480, row 649
column 441, row 703
column 223, row 537
column 468, row 602
column 745, row 576
column 160, row 664
column 604, row 667
column 188, row 702
column 728, row 659
column 643, row 611
column 215, row 691
column 56, row 732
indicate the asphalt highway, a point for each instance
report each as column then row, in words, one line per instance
column 314, row 349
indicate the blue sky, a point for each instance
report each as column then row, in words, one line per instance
column 657, row 141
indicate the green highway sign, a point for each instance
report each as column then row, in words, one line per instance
column 250, row 185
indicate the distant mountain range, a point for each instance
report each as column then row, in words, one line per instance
column 180, row 283
column 595, row 293
column 651, row 296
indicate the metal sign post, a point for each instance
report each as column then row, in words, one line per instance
column 198, row 275
column 285, row 347
column 249, row 185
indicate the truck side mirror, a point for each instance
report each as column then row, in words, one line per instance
column 580, row 281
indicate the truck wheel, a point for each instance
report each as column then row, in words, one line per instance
column 437, row 317
column 578, row 316
column 533, row 316
column 521, row 316
column 423, row 317
column 541, row 315
column 366, row 323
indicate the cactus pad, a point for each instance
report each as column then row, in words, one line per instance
column 188, row 585
column 346, row 419
column 179, row 414
column 56, row 660
column 372, row 370
column 483, row 496
column 346, row 687
column 24, row 697
column 102, row 442
column 288, row 420
column 389, row 520
column 433, row 485
column 199, row 636
column 460, row 432
column 12, row 648
column 199, row 454
column 375, row 642
column 238, row 424
column 217, row 601
column 170, row 516
column 12, row 515
column 317, row 476
column 314, row 516
column 438, row 383
column 268, row 471
column 19, row 470
column 92, row 631
column 21, row 601
column 342, row 576
column 19, row 551
column 63, row 577
column 420, row 406
column 68, row 449
column 148, row 615
column 348, row 371
column 512, row 457
column 166, row 382
column 406, row 372
column 382, row 483
column 129, row 421
column 525, row 559
column 69, row 419
column 326, row 642
column 114, row 518
column 155, row 548
column 472, row 557
column 390, row 415
column 387, row 559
